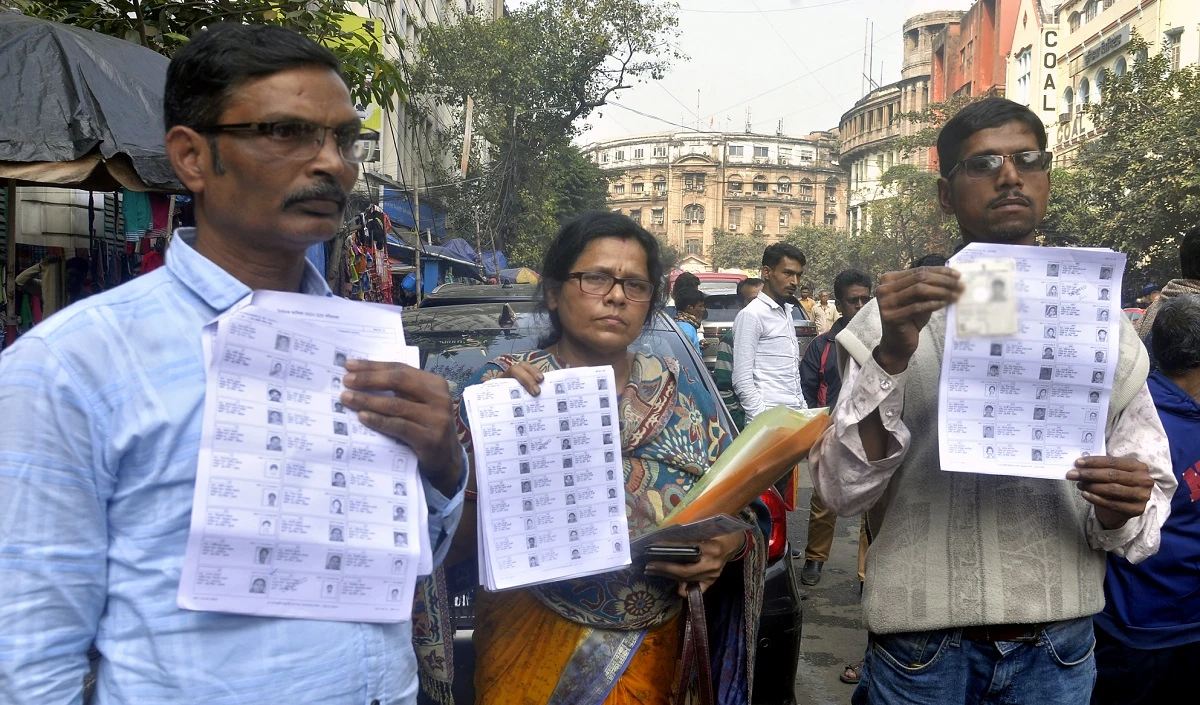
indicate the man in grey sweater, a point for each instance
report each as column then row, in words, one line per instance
column 980, row 587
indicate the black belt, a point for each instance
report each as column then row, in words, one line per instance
column 1004, row 632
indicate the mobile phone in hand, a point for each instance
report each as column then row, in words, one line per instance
column 672, row 554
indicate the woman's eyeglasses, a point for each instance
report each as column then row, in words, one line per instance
column 989, row 164
column 599, row 284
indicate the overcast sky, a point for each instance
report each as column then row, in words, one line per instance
column 796, row 60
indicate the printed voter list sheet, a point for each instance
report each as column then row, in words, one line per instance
column 299, row 510
column 1030, row 403
column 550, row 479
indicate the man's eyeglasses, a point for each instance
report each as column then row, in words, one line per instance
column 859, row 300
column 986, row 165
column 296, row 139
column 599, row 284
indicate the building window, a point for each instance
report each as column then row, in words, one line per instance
column 831, row 186
column 1073, row 22
column 1173, row 45
column 831, row 218
column 656, row 216
column 639, row 153
column 636, row 215
column 692, row 247
column 639, row 187
column 693, row 182
column 1024, row 64
column 619, row 156
column 806, row 189
column 735, row 184
column 1068, row 100
column 1120, row 67
column 604, row 157
column 785, row 185
column 660, row 151
column 760, row 219
column 1089, row 11
column 785, row 218
column 806, row 156
column 735, row 150
column 618, row 189
column 761, row 152
column 1101, row 79
column 785, row 155
column 693, row 213
column 1085, row 92
column 760, row 184
column 806, row 216
column 735, row 219
column 970, row 52
column 660, row 186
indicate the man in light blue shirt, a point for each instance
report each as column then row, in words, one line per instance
column 102, row 408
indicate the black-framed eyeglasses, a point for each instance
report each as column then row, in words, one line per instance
column 301, row 140
column 599, row 284
column 985, row 165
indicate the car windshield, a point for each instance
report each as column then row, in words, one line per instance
column 458, row 341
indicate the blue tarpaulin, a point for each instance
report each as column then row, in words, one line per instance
column 459, row 248
column 493, row 262
column 398, row 206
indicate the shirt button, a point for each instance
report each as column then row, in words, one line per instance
column 885, row 384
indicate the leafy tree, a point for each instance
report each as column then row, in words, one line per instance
column 1142, row 175
column 733, row 251
column 533, row 75
column 829, row 251
column 166, row 25
column 905, row 221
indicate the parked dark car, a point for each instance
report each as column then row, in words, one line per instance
column 463, row 330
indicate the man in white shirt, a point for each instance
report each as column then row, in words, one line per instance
column 824, row 313
column 766, row 353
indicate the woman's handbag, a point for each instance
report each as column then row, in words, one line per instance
column 694, row 655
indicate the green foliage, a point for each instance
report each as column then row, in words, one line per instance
column 733, row 251
column 906, row 221
column 829, row 251
column 166, row 25
column 533, row 76
column 1141, row 178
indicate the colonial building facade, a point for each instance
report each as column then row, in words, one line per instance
column 683, row 186
column 870, row 129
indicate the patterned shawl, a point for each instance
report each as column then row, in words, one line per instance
column 667, row 442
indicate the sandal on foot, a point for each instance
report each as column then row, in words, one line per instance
column 852, row 675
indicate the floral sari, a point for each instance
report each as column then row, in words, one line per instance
column 614, row 638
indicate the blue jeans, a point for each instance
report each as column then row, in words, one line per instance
column 941, row 667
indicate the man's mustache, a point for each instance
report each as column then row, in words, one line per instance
column 325, row 190
column 1011, row 195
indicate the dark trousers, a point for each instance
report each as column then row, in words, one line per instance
column 1128, row 676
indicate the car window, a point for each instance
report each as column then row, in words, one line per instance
column 457, row 355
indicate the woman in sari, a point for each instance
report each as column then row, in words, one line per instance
column 615, row 637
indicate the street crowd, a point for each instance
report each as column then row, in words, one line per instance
column 976, row 588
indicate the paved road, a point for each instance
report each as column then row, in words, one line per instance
column 833, row 634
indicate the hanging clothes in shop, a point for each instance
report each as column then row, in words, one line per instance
column 139, row 217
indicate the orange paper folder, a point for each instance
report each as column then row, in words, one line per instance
column 766, row 450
